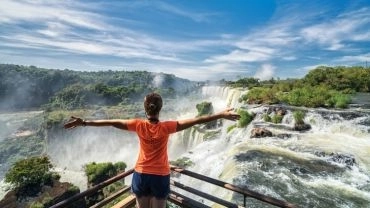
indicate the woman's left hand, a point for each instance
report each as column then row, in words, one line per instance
column 230, row 114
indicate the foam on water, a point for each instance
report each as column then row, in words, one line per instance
column 305, row 176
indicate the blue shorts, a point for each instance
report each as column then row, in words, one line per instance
column 150, row 185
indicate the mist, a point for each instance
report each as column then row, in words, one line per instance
column 73, row 148
column 266, row 72
column 70, row 150
column 25, row 88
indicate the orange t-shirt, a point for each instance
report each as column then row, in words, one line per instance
column 153, row 157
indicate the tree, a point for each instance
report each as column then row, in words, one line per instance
column 204, row 108
column 99, row 172
column 30, row 174
column 245, row 118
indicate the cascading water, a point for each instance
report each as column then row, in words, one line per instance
column 221, row 98
column 223, row 95
column 327, row 166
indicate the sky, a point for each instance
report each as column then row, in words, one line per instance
column 194, row 39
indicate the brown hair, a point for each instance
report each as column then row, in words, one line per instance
column 152, row 104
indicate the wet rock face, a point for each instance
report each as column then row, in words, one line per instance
column 346, row 115
column 48, row 196
column 301, row 127
column 268, row 161
column 260, row 132
column 283, row 136
column 365, row 122
column 345, row 159
column 211, row 125
column 277, row 110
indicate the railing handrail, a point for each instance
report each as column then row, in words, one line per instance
column 246, row 192
column 204, row 195
column 92, row 189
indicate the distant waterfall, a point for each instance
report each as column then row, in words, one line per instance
column 230, row 95
column 221, row 98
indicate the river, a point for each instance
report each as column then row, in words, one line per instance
column 326, row 166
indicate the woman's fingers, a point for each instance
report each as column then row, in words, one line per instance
column 229, row 114
column 72, row 123
column 235, row 117
column 69, row 125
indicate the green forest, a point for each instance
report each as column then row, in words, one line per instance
column 25, row 87
column 329, row 87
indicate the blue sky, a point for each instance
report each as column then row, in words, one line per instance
column 193, row 39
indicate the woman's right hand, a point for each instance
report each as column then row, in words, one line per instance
column 73, row 122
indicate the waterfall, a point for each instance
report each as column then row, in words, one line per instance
column 327, row 166
column 219, row 93
column 3, row 188
column 221, row 98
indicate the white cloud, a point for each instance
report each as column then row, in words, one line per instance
column 289, row 58
column 60, row 25
column 306, row 69
column 54, row 29
column 195, row 16
column 72, row 28
column 273, row 41
column 359, row 58
column 240, row 56
column 39, row 11
column 361, row 37
column 265, row 72
column 196, row 72
column 335, row 32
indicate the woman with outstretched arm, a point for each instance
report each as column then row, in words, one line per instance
column 151, row 177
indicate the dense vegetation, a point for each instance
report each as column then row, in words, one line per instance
column 31, row 87
column 29, row 175
column 99, row 172
column 183, row 162
column 321, row 87
column 204, row 108
column 245, row 118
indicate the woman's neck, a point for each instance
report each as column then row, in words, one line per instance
column 153, row 119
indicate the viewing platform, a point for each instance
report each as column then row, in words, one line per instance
column 175, row 197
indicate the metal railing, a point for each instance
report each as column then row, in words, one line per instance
column 245, row 192
column 93, row 190
column 177, row 198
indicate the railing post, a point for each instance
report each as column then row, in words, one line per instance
column 245, row 200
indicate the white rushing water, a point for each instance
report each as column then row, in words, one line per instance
column 326, row 166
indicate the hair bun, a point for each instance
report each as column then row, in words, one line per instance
column 152, row 106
